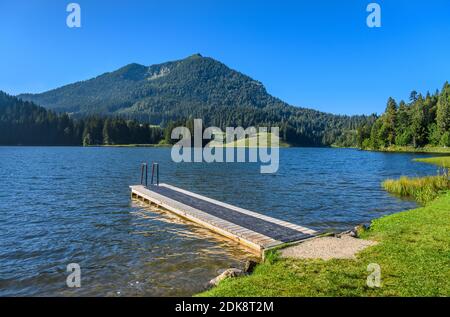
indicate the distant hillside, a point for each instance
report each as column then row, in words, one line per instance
column 195, row 87
column 24, row 123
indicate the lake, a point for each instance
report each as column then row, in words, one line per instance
column 61, row 205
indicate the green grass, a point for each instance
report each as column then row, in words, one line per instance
column 132, row 145
column 413, row 253
column 411, row 149
column 443, row 161
column 422, row 189
column 161, row 143
column 246, row 142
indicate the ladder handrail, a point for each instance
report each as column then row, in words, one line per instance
column 144, row 167
column 153, row 174
column 144, row 174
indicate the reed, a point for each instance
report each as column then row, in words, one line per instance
column 443, row 161
column 422, row 189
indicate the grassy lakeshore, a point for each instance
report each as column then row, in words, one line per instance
column 132, row 145
column 411, row 149
column 443, row 161
column 413, row 252
column 422, row 189
column 262, row 139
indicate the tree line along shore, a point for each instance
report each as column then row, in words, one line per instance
column 422, row 125
column 25, row 123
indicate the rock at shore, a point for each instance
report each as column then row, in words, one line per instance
column 233, row 272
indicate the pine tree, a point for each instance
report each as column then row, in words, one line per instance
column 106, row 132
column 443, row 114
column 403, row 131
column 87, row 139
column 390, row 121
column 413, row 96
column 375, row 136
column 418, row 126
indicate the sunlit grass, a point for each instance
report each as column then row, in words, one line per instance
column 443, row 161
column 413, row 254
column 262, row 139
column 422, row 189
column 411, row 149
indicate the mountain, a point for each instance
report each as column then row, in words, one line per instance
column 194, row 87
column 158, row 89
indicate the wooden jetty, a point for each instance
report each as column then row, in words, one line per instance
column 256, row 231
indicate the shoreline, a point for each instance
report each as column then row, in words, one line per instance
column 402, row 239
column 431, row 150
column 410, row 248
column 408, row 149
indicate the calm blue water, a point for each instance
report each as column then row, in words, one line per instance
column 72, row 205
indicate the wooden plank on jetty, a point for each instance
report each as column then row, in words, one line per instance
column 256, row 231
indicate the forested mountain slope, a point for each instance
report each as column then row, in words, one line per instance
column 196, row 87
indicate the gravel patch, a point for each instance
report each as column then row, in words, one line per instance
column 326, row 248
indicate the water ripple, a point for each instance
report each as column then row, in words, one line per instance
column 64, row 205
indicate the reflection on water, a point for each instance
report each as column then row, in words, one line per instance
column 72, row 205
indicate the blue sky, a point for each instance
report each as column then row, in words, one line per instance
column 318, row 54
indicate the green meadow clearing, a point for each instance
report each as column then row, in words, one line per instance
column 262, row 139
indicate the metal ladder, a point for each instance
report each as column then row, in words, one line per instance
column 144, row 174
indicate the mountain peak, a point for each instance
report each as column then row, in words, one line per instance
column 162, row 91
column 194, row 56
column 131, row 71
